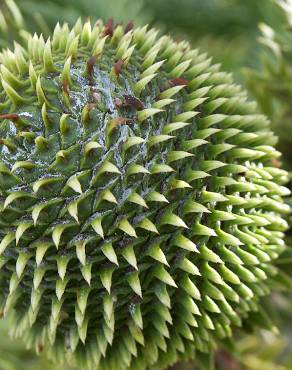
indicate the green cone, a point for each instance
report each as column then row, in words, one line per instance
column 140, row 211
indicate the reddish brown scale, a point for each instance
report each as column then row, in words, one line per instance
column 90, row 66
column 178, row 82
column 109, row 28
column 66, row 87
column 40, row 347
column 12, row 116
column 129, row 27
column 118, row 66
column 121, row 120
column 134, row 102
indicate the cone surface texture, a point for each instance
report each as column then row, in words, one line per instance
column 140, row 211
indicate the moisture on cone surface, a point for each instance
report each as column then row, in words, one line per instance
column 140, row 211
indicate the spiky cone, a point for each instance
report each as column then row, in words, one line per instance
column 140, row 208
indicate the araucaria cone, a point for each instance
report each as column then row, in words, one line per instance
column 140, row 211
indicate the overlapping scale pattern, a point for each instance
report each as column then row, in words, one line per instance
column 140, row 211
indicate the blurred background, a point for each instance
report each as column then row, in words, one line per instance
column 227, row 30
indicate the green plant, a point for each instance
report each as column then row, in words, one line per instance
column 271, row 85
column 226, row 29
column 140, row 209
column 264, row 351
column 227, row 32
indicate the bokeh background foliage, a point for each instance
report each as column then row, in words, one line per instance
column 228, row 30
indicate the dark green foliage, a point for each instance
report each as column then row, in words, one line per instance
column 45, row 14
column 227, row 29
column 271, row 85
